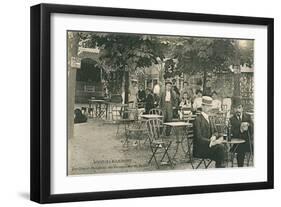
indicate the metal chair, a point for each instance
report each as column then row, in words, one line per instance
column 125, row 120
column 187, row 142
column 158, row 143
column 206, row 163
column 156, row 111
column 136, row 130
column 220, row 121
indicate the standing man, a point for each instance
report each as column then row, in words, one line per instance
column 133, row 93
column 156, row 92
column 168, row 100
column 141, row 94
column 177, row 92
column 175, row 88
column 241, row 127
column 207, row 142
column 149, row 100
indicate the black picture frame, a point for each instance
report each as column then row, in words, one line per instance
column 41, row 102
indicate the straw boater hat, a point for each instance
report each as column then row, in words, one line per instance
column 207, row 101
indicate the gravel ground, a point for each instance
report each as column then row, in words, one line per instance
column 95, row 148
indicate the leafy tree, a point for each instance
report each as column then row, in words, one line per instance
column 169, row 69
column 246, row 52
column 206, row 55
column 126, row 53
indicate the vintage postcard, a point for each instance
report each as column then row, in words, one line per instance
column 141, row 102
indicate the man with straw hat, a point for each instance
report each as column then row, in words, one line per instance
column 207, row 142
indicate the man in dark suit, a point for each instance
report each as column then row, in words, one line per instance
column 168, row 100
column 207, row 142
column 241, row 127
column 149, row 100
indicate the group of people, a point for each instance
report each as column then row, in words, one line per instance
column 184, row 101
column 208, row 142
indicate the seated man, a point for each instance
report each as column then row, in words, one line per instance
column 241, row 127
column 185, row 106
column 207, row 143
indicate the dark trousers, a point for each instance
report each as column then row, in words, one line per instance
column 240, row 159
column 168, row 115
column 217, row 153
column 243, row 148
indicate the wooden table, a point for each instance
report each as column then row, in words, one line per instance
column 176, row 126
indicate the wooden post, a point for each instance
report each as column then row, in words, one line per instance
column 126, row 74
column 73, row 40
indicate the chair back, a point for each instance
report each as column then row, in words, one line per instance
column 156, row 111
column 189, row 130
column 190, row 118
column 154, row 128
column 220, row 122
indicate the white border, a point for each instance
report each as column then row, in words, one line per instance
column 60, row 183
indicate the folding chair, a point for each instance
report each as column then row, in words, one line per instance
column 205, row 161
column 158, row 144
column 159, row 112
column 136, row 130
column 125, row 120
column 156, row 111
column 202, row 160
column 187, row 141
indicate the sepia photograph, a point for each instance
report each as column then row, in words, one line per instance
column 147, row 102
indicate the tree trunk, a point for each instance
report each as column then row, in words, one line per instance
column 236, row 91
column 72, row 52
column 126, row 85
column 204, row 80
column 237, row 74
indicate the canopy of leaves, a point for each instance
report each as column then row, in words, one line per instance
column 209, row 54
column 246, row 52
column 126, row 51
column 198, row 54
